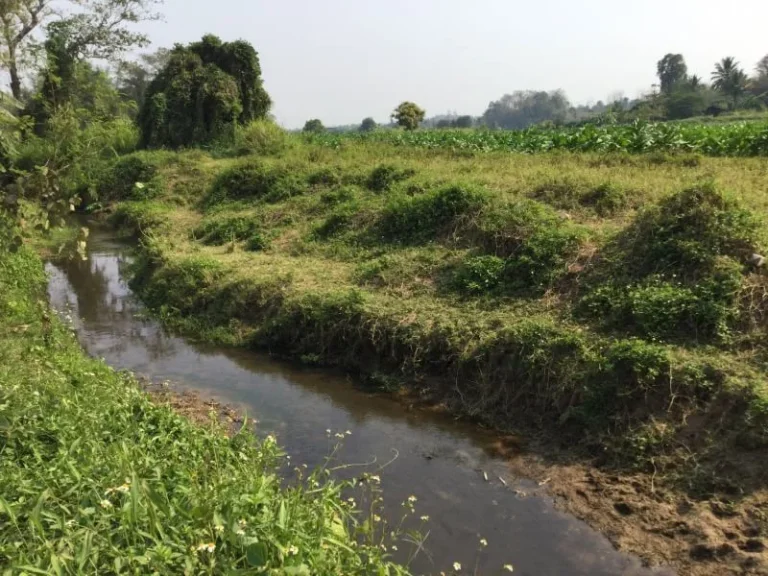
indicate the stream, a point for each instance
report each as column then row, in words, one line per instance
column 440, row 461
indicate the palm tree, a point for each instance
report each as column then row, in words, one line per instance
column 695, row 81
column 729, row 79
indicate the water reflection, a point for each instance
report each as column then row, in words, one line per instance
column 439, row 461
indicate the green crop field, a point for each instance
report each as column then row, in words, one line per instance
column 732, row 139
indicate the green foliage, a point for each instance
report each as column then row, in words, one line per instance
column 339, row 220
column 262, row 137
column 688, row 231
column 524, row 108
column 423, row 218
column 313, row 126
column 204, row 91
column 535, row 241
column 408, row 115
column 258, row 181
column 725, row 139
column 257, row 242
column 368, row 124
column 606, row 199
column 132, row 177
column 384, row 176
column 480, row 274
column 121, row 484
column 220, row 230
column 677, row 270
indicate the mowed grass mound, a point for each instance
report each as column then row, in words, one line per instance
column 97, row 479
column 607, row 298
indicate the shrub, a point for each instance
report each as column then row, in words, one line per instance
column 325, row 177
column 384, row 176
column 535, row 241
column 422, row 218
column 339, row 195
column 606, row 199
column 218, row 231
column 479, row 274
column 258, row 181
column 689, row 230
column 337, row 221
column 262, row 137
column 256, row 242
column 133, row 177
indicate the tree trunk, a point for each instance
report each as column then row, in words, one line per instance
column 14, row 72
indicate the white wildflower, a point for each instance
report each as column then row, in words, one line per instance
column 106, row 504
column 508, row 568
column 425, row 518
column 456, row 566
column 292, row 550
column 483, row 542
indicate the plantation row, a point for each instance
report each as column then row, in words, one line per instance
column 738, row 139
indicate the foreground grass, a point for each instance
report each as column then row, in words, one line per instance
column 606, row 299
column 96, row 479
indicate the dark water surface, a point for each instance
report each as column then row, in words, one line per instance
column 439, row 461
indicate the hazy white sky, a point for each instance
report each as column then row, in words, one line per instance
column 343, row 60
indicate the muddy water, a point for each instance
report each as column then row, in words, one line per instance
column 441, row 462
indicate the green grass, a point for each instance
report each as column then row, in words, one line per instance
column 97, row 479
column 600, row 297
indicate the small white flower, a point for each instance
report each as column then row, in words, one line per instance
column 270, row 439
column 339, row 435
column 483, row 542
column 425, row 518
column 508, row 568
column 70, row 523
column 412, row 499
column 139, row 185
column 348, row 433
column 376, row 479
column 456, row 566
column 293, row 550
column 219, row 528
column 242, row 523
column 106, row 504
column 240, row 532
column 124, row 489
column 376, row 518
column 394, row 547
column 328, row 431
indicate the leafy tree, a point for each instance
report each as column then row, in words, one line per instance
column 367, row 125
column 444, row 123
column 203, row 91
column 314, row 126
column 464, row 122
column 133, row 77
column 98, row 28
column 729, row 79
column 759, row 84
column 408, row 115
column 672, row 71
column 524, row 108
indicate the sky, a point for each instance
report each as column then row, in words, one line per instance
column 343, row 60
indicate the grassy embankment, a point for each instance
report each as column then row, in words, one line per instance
column 606, row 299
column 95, row 478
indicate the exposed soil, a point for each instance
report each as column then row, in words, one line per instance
column 639, row 515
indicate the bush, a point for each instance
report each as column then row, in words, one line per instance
column 606, row 199
column 134, row 177
column 325, row 177
column 256, row 242
column 535, row 241
column 479, row 274
column 255, row 180
column 337, row 221
column 677, row 270
column 218, row 231
column 383, row 177
column 688, row 231
column 262, row 137
column 423, row 218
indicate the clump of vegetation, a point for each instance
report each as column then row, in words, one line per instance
column 384, row 176
column 677, row 270
column 202, row 93
column 408, row 115
column 220, row 230
column 605, row 200
column 257, row 181
column 261, row 137
column 132, row 177
column 480, row 274
column 533, row 239
column 425, row 217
